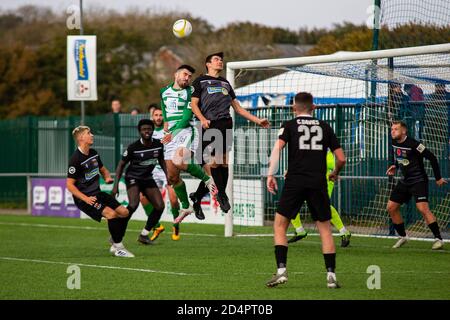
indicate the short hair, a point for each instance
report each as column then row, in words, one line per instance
column 401, row 123
column 187, row 67
column 144, row 122
column 304, row 99
column 209, row 58
column 152, row 105
column 79, row 131
column 158, row 108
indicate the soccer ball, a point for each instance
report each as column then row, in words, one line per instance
column 182, row 28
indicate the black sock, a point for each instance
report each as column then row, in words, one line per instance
column 115, row 227
column 202, row 190
column 153, row 219
column 218, row 179
column 124, row 224
column 281, row 256
column 400, row 228
column 330, row 261
column 225, row 176
column 435, row 229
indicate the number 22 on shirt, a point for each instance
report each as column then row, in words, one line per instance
column 310, row 137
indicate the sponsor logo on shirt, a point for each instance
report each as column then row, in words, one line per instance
column 403, row 162
column 212, row 90
column 92, row 174
column 148, row 162
column 72, row 170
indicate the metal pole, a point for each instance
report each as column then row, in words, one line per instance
column 376, row 24
column 81, row 33
column 29, row 194
column 229, row 216
column 375, row 37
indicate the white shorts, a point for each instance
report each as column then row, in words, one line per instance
column 159, row 177
column 186, row 138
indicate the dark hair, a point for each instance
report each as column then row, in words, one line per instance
column 304, row 99
column 209, row 58
column 144, row 122
column 157, row 108
column 187, row 67
column 152, row 105
column 401, row 123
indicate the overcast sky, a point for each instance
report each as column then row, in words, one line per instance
column 291, row 14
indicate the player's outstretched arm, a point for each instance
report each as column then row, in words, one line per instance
column 247, row 115
column 196, row 110
column 273, row 166
column 106, row 175
column 181, row 124
column 427, row 154
column 340, row 163
column 119, row 171
column 70, row 184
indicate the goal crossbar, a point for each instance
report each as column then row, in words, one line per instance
column 338, row 57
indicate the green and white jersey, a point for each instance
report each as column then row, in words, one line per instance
column 176, row 107
column 158, row 133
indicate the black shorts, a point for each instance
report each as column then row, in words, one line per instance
column 402, row 192
column 142, row 184
column 95, row 211
column 224, row 128
column 295, row 193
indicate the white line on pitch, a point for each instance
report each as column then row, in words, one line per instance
column 23, row 224
column 40, row 225
column 102, row 267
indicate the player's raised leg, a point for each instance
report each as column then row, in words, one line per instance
column 299, row 232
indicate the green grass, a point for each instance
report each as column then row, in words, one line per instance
column 215, row 267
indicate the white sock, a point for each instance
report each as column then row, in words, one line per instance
column 281, row 270
column 145, row 232
column 332, row 274
column 342, row 231
column 118, row 245
column 300, row 230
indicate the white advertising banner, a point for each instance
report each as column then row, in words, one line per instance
column 248, row 212
column 81, row 68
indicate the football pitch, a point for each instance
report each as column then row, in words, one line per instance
column 35, row 254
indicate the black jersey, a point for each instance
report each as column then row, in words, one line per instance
column 142, row 159
column 215, row 96
column 308, row 142
column 85, row 170
column 408, row 155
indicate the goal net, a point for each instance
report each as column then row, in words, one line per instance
column 359, row 95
